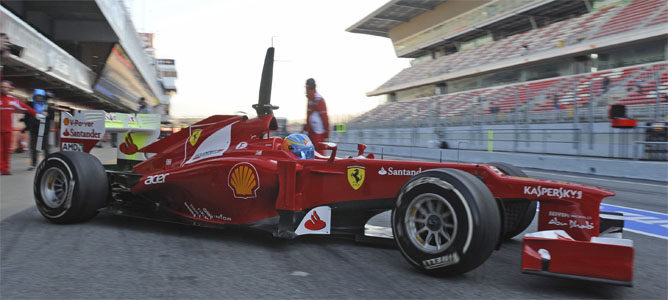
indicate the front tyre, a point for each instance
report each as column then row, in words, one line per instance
column 70, row 187
column 445, row 222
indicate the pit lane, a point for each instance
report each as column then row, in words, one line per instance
column 120, row 257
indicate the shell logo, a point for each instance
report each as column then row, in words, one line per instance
column 66, row 121
column 244, row 180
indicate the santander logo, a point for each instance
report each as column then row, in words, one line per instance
column 315, row 223
column 399, row 172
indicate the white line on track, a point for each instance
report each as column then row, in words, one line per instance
column 638, row 209
column 599, row 179
column 646, row 233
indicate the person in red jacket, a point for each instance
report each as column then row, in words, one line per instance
column 317, row 122
column 8, row 105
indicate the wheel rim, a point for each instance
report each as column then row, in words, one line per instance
column 431, row 223
column 54, row 187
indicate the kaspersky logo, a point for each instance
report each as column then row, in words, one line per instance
column 398, row 172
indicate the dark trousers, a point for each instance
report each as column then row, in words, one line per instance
column 34, row 134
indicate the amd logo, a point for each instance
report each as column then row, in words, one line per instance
column 156, row 179
column 73, row 147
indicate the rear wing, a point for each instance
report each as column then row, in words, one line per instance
column 128, row 132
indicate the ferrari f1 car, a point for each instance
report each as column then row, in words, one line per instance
column 447, row 218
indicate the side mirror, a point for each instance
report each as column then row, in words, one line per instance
column 360, row 149
column 327, row 146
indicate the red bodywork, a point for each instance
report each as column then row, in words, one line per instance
column 249, row 178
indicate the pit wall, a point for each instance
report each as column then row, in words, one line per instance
column 580, row 148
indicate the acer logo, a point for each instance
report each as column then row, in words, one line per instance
column 315, row 223
column 156, row 179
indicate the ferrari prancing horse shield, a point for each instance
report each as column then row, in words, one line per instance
column 356, row 175
column 195, row 136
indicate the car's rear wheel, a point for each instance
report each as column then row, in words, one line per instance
column 445, row 222
column 517, row 213
column 70, row 187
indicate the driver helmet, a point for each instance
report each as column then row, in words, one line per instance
column 300, row 145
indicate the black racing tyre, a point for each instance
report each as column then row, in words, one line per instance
column 517, row 213
column 70, row 187
column 445, row 222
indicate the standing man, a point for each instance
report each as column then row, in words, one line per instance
column 8, row 104
column 41, row 106
column 144, row 108
column 317, row 122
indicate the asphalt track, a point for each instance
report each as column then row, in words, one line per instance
column 119, row 257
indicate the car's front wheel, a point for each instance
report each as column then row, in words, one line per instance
column 445, row 222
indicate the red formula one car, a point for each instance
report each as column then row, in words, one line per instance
column 447, row 218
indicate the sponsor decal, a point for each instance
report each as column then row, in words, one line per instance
column 203, row 213
column 566, row 215
column 128, row 147
column 559, row 193
column 195, row 136
column 79, row 126
column 241, row 145
column 92, row 134
column 155, row 179
column 214, row 145
column 316, row 221
column 398, row 172
column 168, row 161
column 446, row 260
column 556, row 222
column 244, row 180
column 76, row 122
column 571, row 223
column 206, row 154
column 356, row 176
column 73, row 147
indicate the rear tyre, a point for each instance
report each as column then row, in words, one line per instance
column 70, row 187
column 445, row 222
column 517, row 213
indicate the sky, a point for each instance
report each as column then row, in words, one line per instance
column 219, row 49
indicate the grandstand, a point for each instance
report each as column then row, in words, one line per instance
column 570, row 91
column 521, row 62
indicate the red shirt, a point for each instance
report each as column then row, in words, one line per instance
column 317, row 121
column 9, row 105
